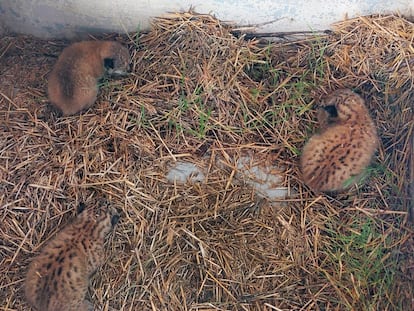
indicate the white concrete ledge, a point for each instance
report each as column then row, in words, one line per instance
column 72, row 18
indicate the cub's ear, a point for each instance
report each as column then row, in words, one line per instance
column 114, row 220
column 81, row 208
column 109, row 63
column 331, row 110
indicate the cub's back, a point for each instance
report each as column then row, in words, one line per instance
column 329, row 159
column 58, row 277
column 79, row 65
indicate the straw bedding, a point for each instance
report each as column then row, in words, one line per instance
column 197, row 92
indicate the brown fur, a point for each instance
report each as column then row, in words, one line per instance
column 345, row 145
column 73, row 82
column 57, row 279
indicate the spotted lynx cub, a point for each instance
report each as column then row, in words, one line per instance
column 73, row 82
column 344, row 146
column 58, row 277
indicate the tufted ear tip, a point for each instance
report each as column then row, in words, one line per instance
column 81, row 208
column 331, row 109
column 114, row 220
column 109, row 63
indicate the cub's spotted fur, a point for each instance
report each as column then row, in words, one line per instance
column 58, row 277
column 73, row 82
column 345, row 145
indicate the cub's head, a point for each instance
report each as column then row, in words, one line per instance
column 101, row 219
column 117, row 59
column 343, row 105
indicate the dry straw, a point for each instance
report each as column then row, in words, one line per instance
column 199, row 93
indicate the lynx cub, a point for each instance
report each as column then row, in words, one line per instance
column 344, row 146
column 58, row 277
column 73, row 82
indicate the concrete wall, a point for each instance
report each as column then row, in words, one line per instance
column 69, row 18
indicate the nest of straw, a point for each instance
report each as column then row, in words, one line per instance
column 196, row 92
